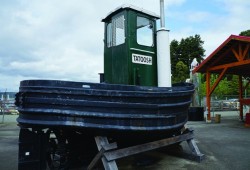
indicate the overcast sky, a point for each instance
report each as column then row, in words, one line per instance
column 63, row 39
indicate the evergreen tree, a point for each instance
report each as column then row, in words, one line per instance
column 180, row 74
column 185, row 50
column 245, row 33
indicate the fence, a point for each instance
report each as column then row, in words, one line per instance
column 7, row 107
column 222, row 103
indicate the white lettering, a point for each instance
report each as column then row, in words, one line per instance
column 141, row 59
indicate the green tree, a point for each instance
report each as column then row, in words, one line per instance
column 245, row 33
column 186, row 50
column 233, row 85
column 174, row 53
column 180, row 74
column 191, row 48
column 225, row 87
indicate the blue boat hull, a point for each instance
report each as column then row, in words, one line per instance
column 101, row 108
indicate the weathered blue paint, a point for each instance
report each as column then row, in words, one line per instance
column 103, row 106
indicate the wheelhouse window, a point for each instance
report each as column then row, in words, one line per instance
column 109, row 35
column 144, row 31
column 116, row 32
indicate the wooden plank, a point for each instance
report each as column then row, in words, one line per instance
column 96, row 159
column 100, row 142
column 120, row 153
column 110, row 146
column 100, row 154
column 184, row 155
column 195, row 150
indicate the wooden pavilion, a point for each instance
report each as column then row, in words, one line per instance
column 231, row 57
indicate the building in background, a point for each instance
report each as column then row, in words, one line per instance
column 7, row 103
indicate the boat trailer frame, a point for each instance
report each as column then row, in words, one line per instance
column 109, row 153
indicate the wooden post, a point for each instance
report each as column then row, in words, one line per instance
column 208, row 76
column 241, row 97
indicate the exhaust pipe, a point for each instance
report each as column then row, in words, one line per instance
column 162, row 13
column 163, row 52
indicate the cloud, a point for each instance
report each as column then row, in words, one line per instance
column 215, row 23
column 233, row 22
column 55, row 39
column 51, row 40
column 64, row 39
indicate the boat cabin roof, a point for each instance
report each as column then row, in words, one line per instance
column 130, row 7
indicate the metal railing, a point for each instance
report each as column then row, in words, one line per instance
column 7, row 107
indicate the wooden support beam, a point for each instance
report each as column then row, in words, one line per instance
column 237, row 55
column 222, row 56
column 195, row 150
column 109, row 156
column 217, row 81
column 211, row 90
column 241, row 57
column 102, row 142
column 121, row 153
column 241, row 97
column 96, row 159
column 234, row 64
column 208, row 95
column 240, row 52
column 104, row 148
column 245, row 51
